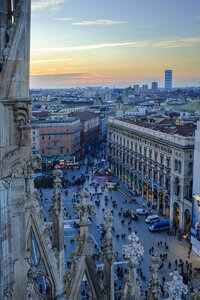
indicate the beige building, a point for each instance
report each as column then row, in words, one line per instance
column 157, row 162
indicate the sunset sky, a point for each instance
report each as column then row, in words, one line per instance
column 77, row 43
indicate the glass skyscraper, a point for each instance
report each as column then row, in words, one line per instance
column 168, row 79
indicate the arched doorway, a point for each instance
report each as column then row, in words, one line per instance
column 187, row 220
column 176, row 214
column 145, row 188
column 167, row 207
column 161, row 202
column 136, row 181
column 155, row 198
column 150, row 194
column 140, row 186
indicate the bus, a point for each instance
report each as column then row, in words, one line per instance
column 73, row 165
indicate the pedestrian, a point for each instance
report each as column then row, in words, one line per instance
column 169, row 265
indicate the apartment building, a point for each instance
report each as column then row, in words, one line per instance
column 156, row 161
column 58, row 140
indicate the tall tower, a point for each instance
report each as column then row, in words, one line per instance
column 119, row 107
column 168, row 79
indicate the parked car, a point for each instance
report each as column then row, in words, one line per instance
column 152, row 219
column 141, row 211
column 134, row 216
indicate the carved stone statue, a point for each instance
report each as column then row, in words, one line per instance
column 133, row 251
column 154, row 291
column 176, row 288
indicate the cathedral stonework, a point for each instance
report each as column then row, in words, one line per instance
column 31, row 249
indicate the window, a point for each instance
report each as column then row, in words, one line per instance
column 42, row 144
column 55, row 151
column 161, row 159
column 61, row 143
column 140, row 149
column 61, row 151
column 131, row 145
column 145, row 152
column 61, row 137
column 127, row 143
column 33, row 139
column 49, row 144
column 176, row 165
column 49, row 151
column 55, row 130
column 136, row 147
column 168, row 162
column 42, row 151
column 49, row 137
column 42, row 137
column 33, row 131
column 156, row 156
column 42, row 131
column 150, row 154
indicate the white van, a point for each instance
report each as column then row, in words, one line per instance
column 152, row 219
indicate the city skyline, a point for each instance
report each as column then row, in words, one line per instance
column 76, row 43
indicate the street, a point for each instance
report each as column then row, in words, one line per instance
column 162, row 243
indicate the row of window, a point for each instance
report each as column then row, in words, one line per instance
column 129, row 144
column 155, row 158
column 53, row 131
column 55, row 151
column 55, row 144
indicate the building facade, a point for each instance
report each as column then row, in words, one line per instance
column 195, row 230
column 89, row 129
column 57, row 140
column 168, row 79
column 155, row 164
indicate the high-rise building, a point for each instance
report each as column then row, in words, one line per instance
column 136, row 88
column 154, row 86
column 168, row 79
column 145, row 87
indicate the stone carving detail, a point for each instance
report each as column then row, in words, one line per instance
column 22, row 113
column 57, row 211
column 15, row 163
column 176, row 288
column 154, row 292
column 11, row 29
column 133, row 251
column 84, row 209
column 5, row 183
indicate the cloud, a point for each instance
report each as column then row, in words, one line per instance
column 41, row 4
column 188, row 42
column 91, row 47
column 50, row 60
column 197, row 17
column 65, row 19
column 98, row 22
